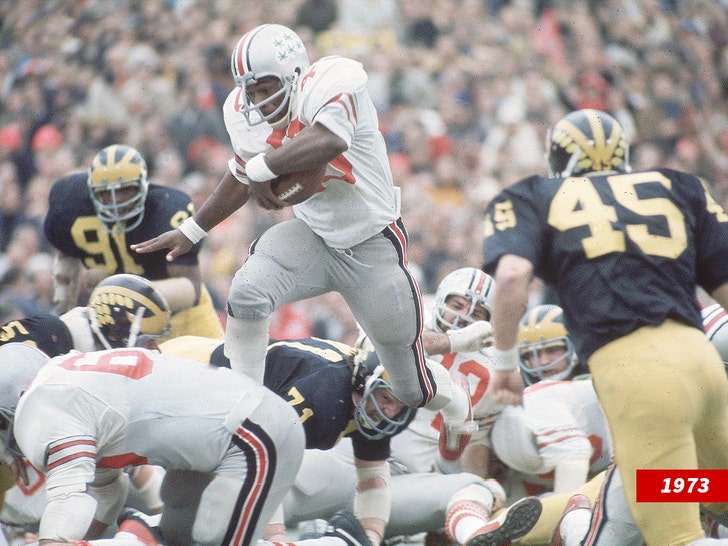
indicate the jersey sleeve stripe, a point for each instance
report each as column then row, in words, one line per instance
column 60, row 453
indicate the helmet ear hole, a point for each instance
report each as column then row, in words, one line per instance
column 126, row 310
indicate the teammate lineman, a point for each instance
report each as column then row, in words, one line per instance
column 87, row 416
column 624, row 252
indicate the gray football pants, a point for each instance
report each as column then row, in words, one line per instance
column 289, row 262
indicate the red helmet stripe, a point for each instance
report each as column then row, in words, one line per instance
column 480, row 282
column 242, row 59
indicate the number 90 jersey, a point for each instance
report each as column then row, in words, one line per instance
column 584, row 235
column 72, row 227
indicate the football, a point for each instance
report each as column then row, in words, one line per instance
column 294, row 188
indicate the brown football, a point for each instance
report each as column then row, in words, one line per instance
column 294, row 188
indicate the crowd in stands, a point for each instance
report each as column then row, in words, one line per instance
column 465, row 89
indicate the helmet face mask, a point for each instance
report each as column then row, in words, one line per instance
column 586, row 141
column 370, row 418
column 268, row 52
column 126, row 311
column 542, row 330
column 118, row 185
column 470, row 283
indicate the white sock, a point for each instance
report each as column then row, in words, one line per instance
column 574, row 527
column 246, row 342
column 464, row 519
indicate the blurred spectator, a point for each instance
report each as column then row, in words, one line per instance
column 317, row 15
column 12, row 207
column 464, row 89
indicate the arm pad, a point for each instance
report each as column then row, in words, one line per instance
column 373, row 498
column 67, row 517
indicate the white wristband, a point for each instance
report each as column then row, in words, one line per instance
column 192, row 230
column 505, row 361
column 257, row 170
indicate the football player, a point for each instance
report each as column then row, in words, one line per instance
column 330, row 385
column 86, row 416
column 557, row 440
column 460, row 318
column 624, row 252
column 94, row 217
column 338, row 392
column 123, row 310
column 612, row 522
column 287, row 115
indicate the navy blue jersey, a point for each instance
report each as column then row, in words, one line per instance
column 46, row 332
column 72, row 227
column 315, row 376
column 621, row 251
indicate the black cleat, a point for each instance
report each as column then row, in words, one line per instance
column 347, row 527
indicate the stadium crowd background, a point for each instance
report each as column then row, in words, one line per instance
column 466, row 90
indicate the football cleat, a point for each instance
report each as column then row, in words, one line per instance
column 345, row 525
column 454, row 437
column 576, row 502
column 142, row 526
column 512, row 523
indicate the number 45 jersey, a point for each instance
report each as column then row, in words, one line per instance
column 72, row 227
column 603, row 226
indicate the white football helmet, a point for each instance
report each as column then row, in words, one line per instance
column 470, row 283
column 19, row 362
column 715, row 324
column 268, row 51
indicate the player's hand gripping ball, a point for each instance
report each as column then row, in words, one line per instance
column 294, row 188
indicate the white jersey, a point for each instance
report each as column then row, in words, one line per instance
column 358, row 198
column 417, row 446
column 129, row 407
column 558, row 420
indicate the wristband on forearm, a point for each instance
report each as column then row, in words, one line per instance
column 257, row 169
column 192, row 230
column 505, row 361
